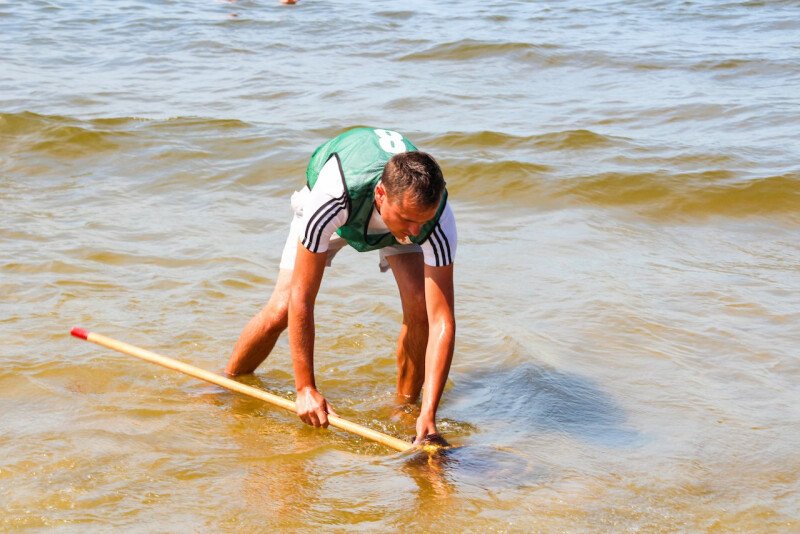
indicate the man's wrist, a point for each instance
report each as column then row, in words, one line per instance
column 427, row 409
column 427, row 415
column 300, row 389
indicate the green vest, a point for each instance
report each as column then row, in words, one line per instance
column 362, row 154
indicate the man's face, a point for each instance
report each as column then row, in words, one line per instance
column 403, row 217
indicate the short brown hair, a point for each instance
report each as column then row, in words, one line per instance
column 416, row 173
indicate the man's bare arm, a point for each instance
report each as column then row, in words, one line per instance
column 439, row 299
column 309, row 267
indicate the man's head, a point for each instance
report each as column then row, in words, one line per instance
column 417, row 174
column 409, row 193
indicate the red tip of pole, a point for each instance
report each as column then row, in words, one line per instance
column 79, row 332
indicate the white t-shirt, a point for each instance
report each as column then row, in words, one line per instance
column 325, row 210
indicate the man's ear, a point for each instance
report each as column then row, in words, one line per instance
column 380, row 193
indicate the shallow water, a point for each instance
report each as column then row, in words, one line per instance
column 627, row 188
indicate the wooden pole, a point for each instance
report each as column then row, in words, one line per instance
column 233, row 385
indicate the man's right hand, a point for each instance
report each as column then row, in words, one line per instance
column 312, row 407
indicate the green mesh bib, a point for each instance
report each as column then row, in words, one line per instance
column 362, row 154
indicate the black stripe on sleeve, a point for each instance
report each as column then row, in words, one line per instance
column 432, row 240
column 441, row 247
column 443, row 237
column 318, row 221
column 333, row 213
column 310, row 225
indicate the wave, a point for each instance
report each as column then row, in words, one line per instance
column 60, row 136
column 28, row 135
column 737, row 68
column 546, row 55
column 566, row 168
column 676, row 182
column 653, row 194
column 396, row 15
column 512, row 182
column 64, row 128
column 474, row 49
column 564, row 140
column 693, row 194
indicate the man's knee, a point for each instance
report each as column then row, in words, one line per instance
column 415, row 314
column 281, row 315
column 413, row 338
column 416, row 324
column 276, row 313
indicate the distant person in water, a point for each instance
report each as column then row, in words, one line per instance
column 370, row 189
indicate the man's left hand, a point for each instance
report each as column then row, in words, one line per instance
column 426, row 426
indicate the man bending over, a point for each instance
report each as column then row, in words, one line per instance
column 370, row 189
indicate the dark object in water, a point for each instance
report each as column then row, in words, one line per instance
column 432, row 442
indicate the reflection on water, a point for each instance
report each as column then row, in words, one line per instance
column 530, row 399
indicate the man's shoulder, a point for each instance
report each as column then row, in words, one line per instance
column 330, row 182
column 447, row 217
column 440, row 247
